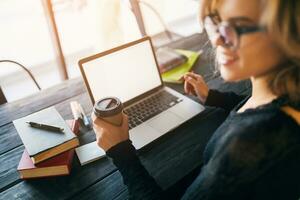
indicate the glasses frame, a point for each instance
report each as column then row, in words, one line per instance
column 239, row 30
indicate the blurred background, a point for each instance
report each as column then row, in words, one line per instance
column 49, row 36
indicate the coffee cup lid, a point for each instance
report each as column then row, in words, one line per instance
column 107, row 107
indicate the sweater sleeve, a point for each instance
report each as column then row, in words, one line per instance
column 225, row 100
column 139, row 182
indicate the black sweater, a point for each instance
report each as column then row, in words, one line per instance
column 252, row 155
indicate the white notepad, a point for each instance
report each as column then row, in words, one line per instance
column 89, row 152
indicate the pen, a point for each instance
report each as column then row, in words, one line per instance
column 45, row 127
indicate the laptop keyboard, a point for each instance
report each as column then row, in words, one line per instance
column 150, row 107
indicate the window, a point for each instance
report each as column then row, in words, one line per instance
column 180, row 16
column 84, row 27
column 24, row 38
column 87, row 27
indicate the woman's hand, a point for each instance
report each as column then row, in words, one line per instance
column 195, row 85
column 109, row 135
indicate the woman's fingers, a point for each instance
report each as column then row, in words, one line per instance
column 199, row 86
column 125, row 120
column 188, row 87
column 106, row 125
column 109, row 135
column 125, row 127
column 195, row 76
column 199, row 79
column 103, row 143
column 192, row 81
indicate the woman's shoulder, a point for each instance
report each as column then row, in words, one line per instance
column 269, row 123
column 277, row 116
column 262, row 126
column 265, row 134
column 250, row 145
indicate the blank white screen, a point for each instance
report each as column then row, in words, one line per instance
column 125, row 74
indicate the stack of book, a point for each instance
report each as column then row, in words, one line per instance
column 169, row 58
column 176, row 72
column 47, row 152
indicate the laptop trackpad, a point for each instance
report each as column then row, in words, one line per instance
column 165, row 122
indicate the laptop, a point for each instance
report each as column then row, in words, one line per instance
column 130, row 72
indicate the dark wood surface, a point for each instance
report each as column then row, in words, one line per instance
column 168, row 159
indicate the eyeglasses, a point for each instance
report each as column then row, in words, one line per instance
column 228, row 32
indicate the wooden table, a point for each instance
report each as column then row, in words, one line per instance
column 169, row 159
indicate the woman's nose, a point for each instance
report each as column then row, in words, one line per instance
column 217, row 40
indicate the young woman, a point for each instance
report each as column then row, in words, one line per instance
column 255, row 153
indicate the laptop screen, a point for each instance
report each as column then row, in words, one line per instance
column 125, row 73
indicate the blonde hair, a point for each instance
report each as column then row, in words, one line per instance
column 282, row 19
